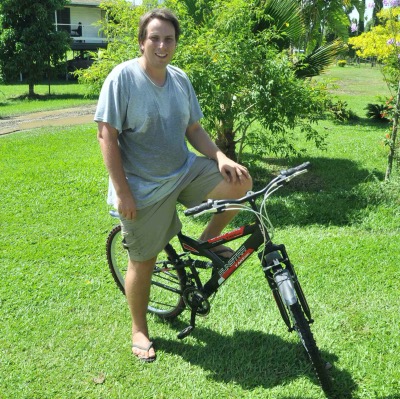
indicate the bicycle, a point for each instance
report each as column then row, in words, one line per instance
column 176, row 283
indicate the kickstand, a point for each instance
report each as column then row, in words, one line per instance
column 188, row 330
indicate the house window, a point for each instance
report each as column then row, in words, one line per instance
column 64, row 20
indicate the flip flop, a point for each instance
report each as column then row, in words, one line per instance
column 144, row 349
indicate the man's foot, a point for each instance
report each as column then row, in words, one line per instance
column 144, row 353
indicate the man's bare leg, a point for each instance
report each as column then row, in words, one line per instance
column 224, row 190
column 137, row 289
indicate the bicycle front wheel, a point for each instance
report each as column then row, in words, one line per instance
column 302, row 327
column 167, row 282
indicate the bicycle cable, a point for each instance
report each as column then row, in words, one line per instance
column 262, row 216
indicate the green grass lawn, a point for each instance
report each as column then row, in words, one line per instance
column 65, row 327
column 62, row 94
column 358, row 85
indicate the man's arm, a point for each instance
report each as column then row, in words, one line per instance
column 108, row 139
column 200, row 140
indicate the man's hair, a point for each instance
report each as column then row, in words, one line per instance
column 158, row 13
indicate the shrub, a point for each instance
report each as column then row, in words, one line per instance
column 340, row 112
column 342, row 63
column 378, row 112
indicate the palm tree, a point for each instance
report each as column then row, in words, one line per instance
column 293, row 19
column 359, row 5
column 326, row 19
column 316, row 62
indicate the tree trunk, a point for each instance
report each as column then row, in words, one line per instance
column 31, row 90
column 393, row 138
column 378, row 5
column 361, row 21
column 226, row 142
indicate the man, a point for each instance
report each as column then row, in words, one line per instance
column 147, row 110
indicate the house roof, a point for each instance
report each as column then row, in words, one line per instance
column 86, row 2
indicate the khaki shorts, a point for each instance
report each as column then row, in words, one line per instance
column 155, row 225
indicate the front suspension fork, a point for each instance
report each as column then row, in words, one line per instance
column 276, row 263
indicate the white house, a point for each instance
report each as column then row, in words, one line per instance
column 80, row 19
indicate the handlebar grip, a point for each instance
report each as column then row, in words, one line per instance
column 199, row 208
column 290, row 171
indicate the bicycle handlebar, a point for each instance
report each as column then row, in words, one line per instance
column 298, row 168
column 217, row 206
column 199, row 208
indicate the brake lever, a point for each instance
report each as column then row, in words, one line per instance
column 300, row 172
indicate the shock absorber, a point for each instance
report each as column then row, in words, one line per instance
column 285, row 286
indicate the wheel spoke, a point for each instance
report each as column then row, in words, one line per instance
column 167, row 282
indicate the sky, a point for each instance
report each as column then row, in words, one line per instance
column 369, row 8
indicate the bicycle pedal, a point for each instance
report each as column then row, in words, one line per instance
column 185, row 332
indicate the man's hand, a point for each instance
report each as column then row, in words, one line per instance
column 231, row 170
column 126, row 206
column 200, row 140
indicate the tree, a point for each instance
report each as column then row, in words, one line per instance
column 232, row 51
column 360, row 7
column 241, row 75
column 29, row 42
column 377, row 7
column 383, row 42
column 120, row 26
column 325, row 20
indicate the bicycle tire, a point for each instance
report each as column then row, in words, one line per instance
column 117, row 258
column 167, row 282
column 167, row 285
column 302, row 327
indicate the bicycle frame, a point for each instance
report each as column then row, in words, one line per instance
column 177, row 282
column 272, row 257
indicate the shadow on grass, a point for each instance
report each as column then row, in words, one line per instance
column 253, row 359
column 333, row 192
column 47, row 97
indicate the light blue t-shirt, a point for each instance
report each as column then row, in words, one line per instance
column 152, row 123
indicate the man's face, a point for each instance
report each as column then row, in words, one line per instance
column 159, row 46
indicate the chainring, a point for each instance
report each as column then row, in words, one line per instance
column 194, row 298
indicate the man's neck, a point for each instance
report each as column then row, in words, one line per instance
column 157, row 75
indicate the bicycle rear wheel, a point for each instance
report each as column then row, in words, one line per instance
column 117, row 257
column 167, row 283
column 302, row 327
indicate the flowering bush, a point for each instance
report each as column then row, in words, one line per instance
column 383, row 42
column 342, row 63
column 390, row 3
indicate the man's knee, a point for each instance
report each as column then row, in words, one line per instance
column 248, row 184
column 245, row 186
column 225, row 190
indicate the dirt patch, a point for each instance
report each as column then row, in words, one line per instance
column 60, row 117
